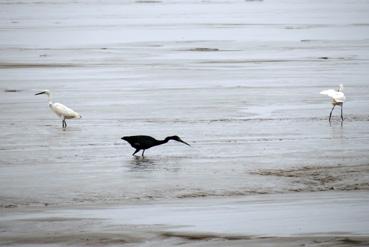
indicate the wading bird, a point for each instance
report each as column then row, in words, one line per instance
column 145, row 142
column 61, row 110
column 338, row 97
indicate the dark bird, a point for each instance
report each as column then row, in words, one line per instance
column 145, row 142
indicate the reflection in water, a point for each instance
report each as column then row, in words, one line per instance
column 159, row 164
column 142, row 163
column 337, row 132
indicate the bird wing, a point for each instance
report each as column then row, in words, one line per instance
column 337, row 96
column 63, row 111
column 141, row 141
column 340, row 97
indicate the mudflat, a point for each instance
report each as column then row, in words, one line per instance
column 239, row 81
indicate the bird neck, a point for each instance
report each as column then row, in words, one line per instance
column 163, row 141
column 50, row 99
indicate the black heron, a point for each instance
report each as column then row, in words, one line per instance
column 142, row 142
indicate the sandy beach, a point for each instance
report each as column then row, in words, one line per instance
column 238, row 80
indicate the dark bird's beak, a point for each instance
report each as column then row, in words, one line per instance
column 180, row 140
column 39, row 93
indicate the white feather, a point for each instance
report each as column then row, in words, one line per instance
column 338, row 97
column 59, row 109
column 63, row 111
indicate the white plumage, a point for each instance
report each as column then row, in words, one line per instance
column 338, row 97
column 60, row 110
column 63, row 111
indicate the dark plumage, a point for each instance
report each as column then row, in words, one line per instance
column 145, row 142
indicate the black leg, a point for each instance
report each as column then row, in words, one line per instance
column 330, row 114
column 143, row 151
column 136, row 151
column 342, row 112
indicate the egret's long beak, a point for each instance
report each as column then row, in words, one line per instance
column 39, row 93
column 180, row 140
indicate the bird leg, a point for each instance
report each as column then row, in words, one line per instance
column 342, row 114
column 64, row 124
column 136, row 151
column 330, row 114
column 143, row 151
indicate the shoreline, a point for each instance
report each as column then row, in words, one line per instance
column 327, row 217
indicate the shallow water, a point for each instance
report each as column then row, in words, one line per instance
column 239, row 81
column 245, row 102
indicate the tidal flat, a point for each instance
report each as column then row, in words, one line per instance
column 238, row 80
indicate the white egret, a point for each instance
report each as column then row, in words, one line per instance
column 61, row 110
column 338, row 97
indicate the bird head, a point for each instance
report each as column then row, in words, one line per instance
column 47, row 92
column 176, row 138
column 341, row 88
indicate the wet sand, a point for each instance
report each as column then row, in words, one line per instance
column 238, row 80
column 312, row 219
